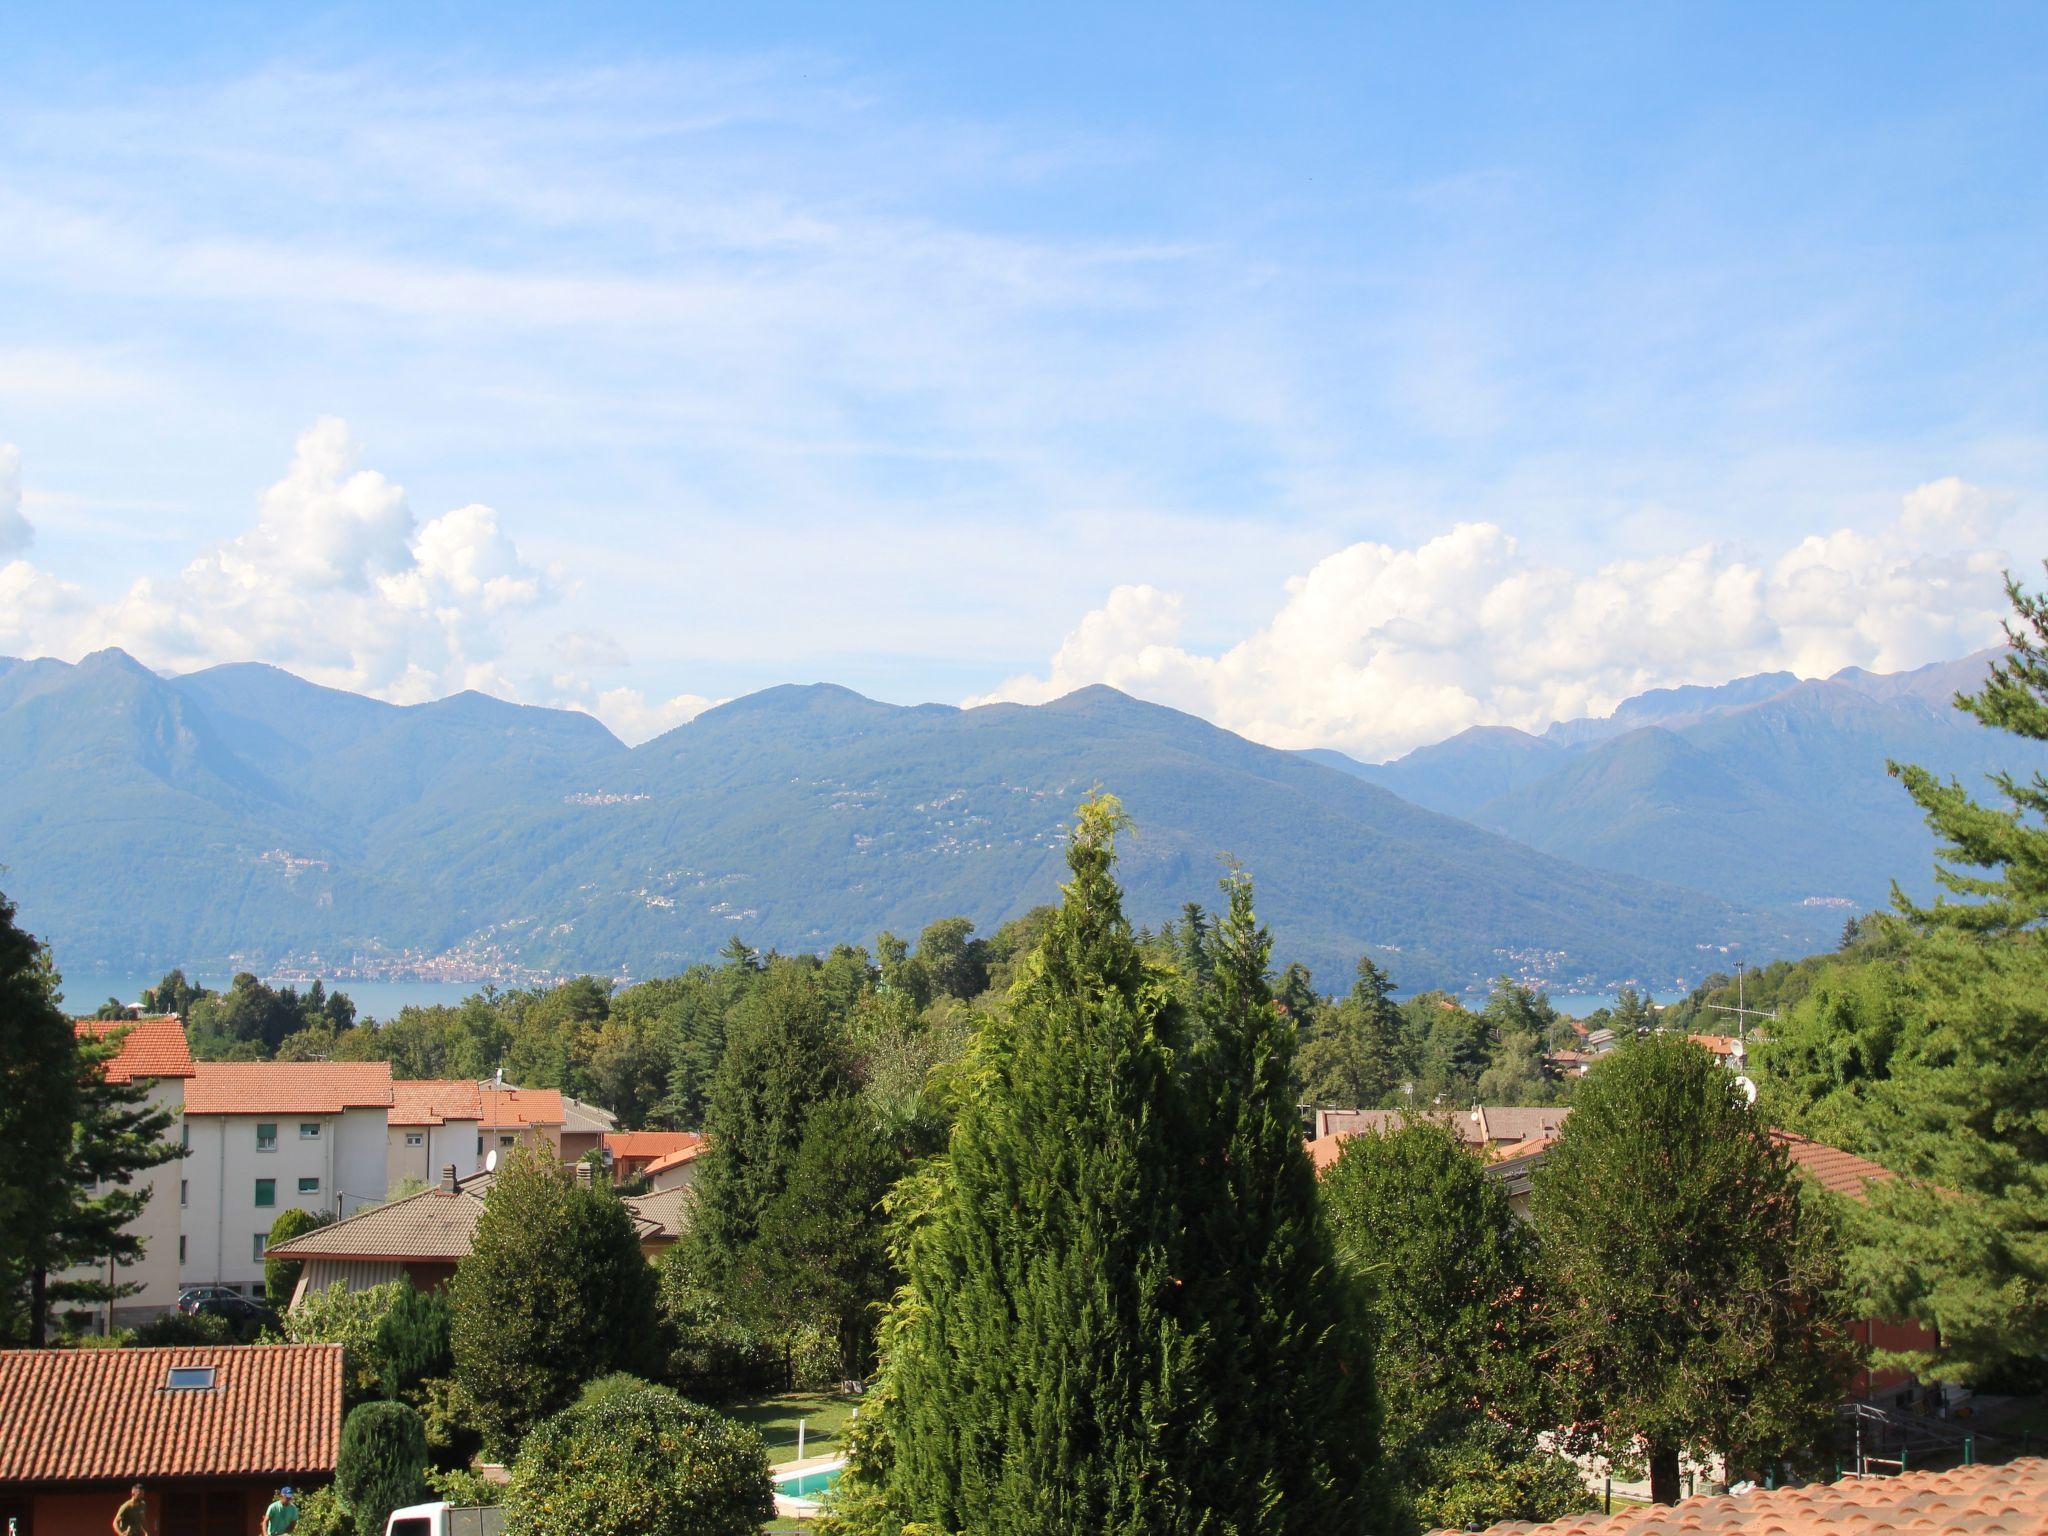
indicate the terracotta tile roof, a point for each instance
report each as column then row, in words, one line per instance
column 1720, row 1045
column 2008, row 1499
column 507, row 1109
column 1831, row 1167
column 77, row 1415
column 1501, row 1124
column 1480, row 1124
column 287, row 1087
column 435, row 1101
column 649, row 1144
column 153, row 1047
column 677, row 1158
column 1509, row 1151
column 435, row 1225
column 1323, row 1151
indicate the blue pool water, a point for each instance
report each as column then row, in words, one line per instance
column 808, row 1485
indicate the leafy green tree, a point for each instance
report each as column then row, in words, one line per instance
column 714, row 1355
column 1043, row 1362
column 783, row 1057
column 1461, row 1352
column 554, row 1292
column 954, row 960
column 1286, row 1357
column 1633, row 1013
column 382, row 1463
column 338, row 1315
column 39, row 1098
column 174, row 994
column 639, row 1463
column 281, row 1276
column 1698, row 1297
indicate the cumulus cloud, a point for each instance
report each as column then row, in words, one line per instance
column 1377, row 649
column 16, row 533
column 336, row 580
column 633, row 719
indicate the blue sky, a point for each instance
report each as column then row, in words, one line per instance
column 1348, row 375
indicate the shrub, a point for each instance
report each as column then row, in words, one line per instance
column 713, row 1357
column 412, row 1343
column 382, row 1465
column 642, row 1463
column 606, row 1388
column 351, row 1319
column 463, row 1488
column 185, row 1328
column 816, row 1361
column 452, row 1437
column 321, row 1513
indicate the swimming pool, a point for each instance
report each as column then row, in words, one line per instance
column 810, row 1486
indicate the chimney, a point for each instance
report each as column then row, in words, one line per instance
column 584, row 1174
column 447, row 1178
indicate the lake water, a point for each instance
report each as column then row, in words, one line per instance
column 84, row 991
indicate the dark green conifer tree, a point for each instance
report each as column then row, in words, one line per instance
column 39, row 1092
column 1287, row 1358
column 1045, row 1362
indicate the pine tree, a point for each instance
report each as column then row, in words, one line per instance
column 783, row 1056
column 39, row 1095
column 1351, row 1062
column 1043, row 1371
column 1696, row 1287
column 1287, row 1360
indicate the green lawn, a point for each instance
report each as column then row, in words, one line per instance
column 825, row 1414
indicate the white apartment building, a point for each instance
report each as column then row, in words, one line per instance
column 154, row 1052
column 264, row 1136
column 435, row 1124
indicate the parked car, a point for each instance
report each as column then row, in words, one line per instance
column 190, row 1298
column 446, row 1520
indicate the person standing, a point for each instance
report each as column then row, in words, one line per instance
column 132, row 1518
column 282, row 1515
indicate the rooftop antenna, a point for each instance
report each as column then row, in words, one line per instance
column 1742, row 1014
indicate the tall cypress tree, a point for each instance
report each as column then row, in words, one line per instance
column 38, row 1103
column 1045, row 1365
column 1288, row 1363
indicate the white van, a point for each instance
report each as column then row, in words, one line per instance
column 446, row 1520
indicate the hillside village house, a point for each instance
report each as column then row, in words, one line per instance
column 261, row 1136
column 153, row 1052
column 522, row 1117
column 631, row 1153
column 584, row 1128
column 210, row 1432
column 423, row 1237
column 433, row 1124
column 676, row 1170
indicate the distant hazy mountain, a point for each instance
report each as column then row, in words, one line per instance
column 1769, row 791
column 244, row 814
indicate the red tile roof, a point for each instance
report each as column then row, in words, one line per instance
column 508, row 1109
column 287, row 1087
column 677, row 1158
column 435, row 1101
column 153, row 1047
column 78, row 1415
column 648, row 1144
column 2009, row 1499
column 1831, row 1167
column 438, row 1225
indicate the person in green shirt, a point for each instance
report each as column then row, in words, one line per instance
column 282, row 1515
column 132, row 1518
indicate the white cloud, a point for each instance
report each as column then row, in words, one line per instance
column 16, row 532
column 1377, row 649
column 633, row 720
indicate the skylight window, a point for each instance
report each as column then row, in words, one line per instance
column 189, row 1378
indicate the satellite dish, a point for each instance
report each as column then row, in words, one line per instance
column 491, row 1157
column 1748, row 1089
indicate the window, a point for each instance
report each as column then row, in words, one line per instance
column 412, row 1527
column 504, row 1141
column 184, row 1191
column 266, row 1191
column 415, row 1138
column 189, row 1378
column 185, row 1135
column 181, row 1247
column 309, row 1186
column 256, row 1247
column 309, row 1130
column 266, row 1138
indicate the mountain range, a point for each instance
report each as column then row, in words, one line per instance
column 1770, row 792
column 242, row 817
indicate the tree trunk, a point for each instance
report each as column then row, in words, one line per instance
column 1663, row 1474
column 38, row 1306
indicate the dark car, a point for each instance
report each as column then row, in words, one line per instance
column 190, row 1298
